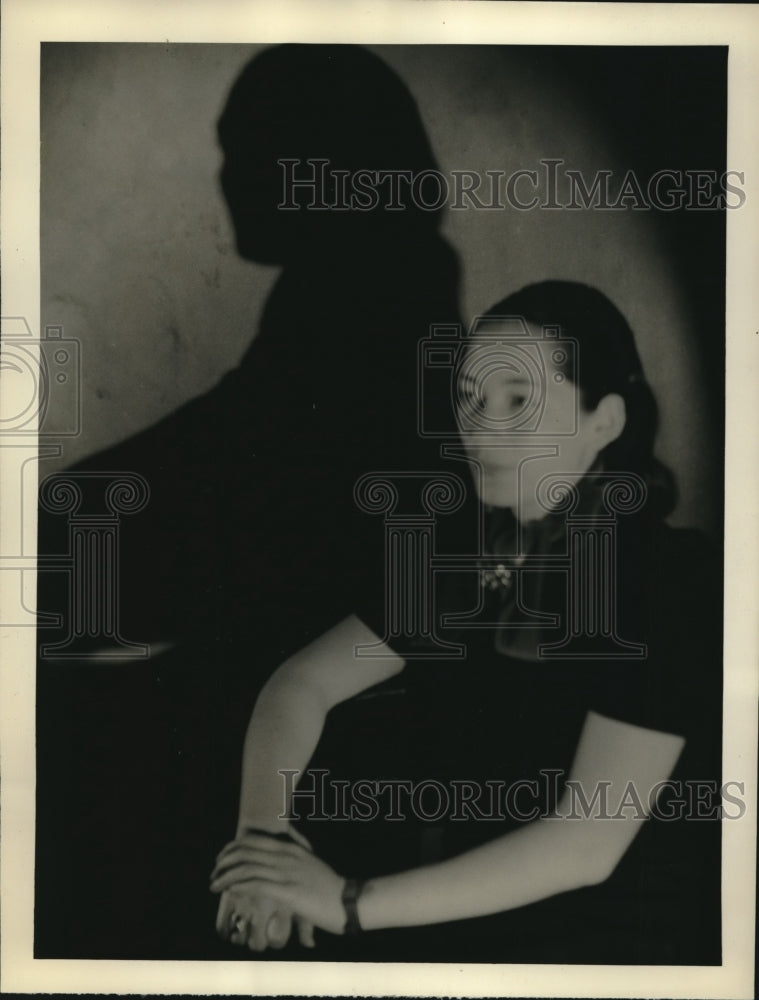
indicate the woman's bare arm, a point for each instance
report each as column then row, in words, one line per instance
column 542, row 859
column 289, row 715
column 545, row 857
column 284, row 729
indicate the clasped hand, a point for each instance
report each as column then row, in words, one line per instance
column 266, row 884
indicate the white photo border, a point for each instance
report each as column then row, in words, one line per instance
column 26, row 24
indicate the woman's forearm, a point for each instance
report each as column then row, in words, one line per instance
column 545, row 857
column 282, row 735
column 542, row 859
column 289, row 715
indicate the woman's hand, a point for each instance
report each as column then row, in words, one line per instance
column 246, row 918
column 284, row 873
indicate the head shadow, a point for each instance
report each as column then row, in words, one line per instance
column 336, row 103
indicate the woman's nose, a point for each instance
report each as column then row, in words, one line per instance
column 496, row 405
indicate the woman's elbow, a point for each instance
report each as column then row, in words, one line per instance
column 290, row 684
column 593, row 863
column 599, row 870
column 590, row 847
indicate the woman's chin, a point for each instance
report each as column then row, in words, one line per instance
column 502, row 490
column 497, row 489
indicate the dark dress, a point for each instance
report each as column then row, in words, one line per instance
column 501, row 717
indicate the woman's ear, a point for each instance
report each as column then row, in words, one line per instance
column 609, row 419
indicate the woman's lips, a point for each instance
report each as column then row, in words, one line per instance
column 501, row 459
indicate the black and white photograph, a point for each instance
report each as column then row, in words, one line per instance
column 378, row 529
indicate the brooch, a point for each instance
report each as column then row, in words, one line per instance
column 499, row 578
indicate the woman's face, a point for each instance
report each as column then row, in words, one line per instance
column 520, row 419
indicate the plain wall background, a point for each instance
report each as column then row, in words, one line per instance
column 138, row 260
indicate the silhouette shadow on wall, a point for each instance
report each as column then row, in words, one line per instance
column 251, row 543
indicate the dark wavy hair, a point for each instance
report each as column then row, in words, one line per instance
column 607, row 362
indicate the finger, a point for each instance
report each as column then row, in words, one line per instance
column 248, row 855
column 259, row 898
column 269, row 844
column 301, row 839
column 252, row 905
column 257, row 939
column 250, row 912
column 279, row 928
column 240, row 930
column 305, row 932
column 224, row 916
column 244, row 874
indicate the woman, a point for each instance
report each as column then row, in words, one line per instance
column 599, row 737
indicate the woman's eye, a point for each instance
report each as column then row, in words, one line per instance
column 470, row 395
